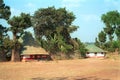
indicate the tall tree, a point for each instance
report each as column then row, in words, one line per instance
column 112, row 27
column 4, row 14
column 18, row 25
column 112, row 22
column 53, row 27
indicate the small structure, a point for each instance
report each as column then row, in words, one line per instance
column 32, row 53
column 94, row 51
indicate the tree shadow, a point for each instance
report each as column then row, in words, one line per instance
column 55, row 78
column 89, row 78
column 70, row 78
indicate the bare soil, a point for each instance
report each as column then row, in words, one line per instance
column 83, row 69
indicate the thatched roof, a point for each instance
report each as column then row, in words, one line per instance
column 93, row 48
column 32, row 50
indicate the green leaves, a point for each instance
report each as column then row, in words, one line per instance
column 53, row 27
column 102, row 37
column 112, row 22
column 18, row 23
column 111, row 18
column 111, row 30
column 4, row 40
column 4, row 11
column 117, row 31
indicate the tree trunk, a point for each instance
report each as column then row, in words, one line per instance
column 15, row 55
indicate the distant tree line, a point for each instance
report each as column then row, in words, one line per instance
column 52, row 29
column 109, row 37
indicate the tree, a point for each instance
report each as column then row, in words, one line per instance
column 109, row 30
column 28, row 40
column 4, row 14
column 2, row 41
column 102, row 39
column 18, row 25
column 112, row 22
column 117, row 31
column 97, row 42
column 112, row 29
column 53, row 27
column 4, row 11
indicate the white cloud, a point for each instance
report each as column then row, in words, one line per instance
column 89, row 17
column 72, row 3
column 30, row 5
column 15, row 12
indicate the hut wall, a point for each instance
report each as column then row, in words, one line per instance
column 96, row 54
column 100, row 54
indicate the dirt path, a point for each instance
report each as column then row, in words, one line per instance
column 85, row 69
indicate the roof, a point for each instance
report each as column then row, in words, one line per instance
column 93, row 48
column 32, row 50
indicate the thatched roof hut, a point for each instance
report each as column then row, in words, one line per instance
column 32, row 53
column 32, row 50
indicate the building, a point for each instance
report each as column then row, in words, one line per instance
column 94, row 51
column 32, row 53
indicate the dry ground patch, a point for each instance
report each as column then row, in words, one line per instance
column 84, row 69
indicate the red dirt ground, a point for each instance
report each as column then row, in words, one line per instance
column 83, row 69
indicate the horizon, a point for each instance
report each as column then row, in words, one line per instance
column 87, row 12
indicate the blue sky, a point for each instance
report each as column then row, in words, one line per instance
column 88, row 13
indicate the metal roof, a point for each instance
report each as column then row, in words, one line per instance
column 93, row 48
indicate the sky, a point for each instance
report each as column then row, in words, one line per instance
column 87, row 12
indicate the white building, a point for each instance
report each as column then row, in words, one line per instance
column 94, row 51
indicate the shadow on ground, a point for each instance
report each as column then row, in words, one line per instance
column 70, row 78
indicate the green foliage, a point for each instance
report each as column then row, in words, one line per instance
column 2, row 34
column 28, row 40
column 4, row 11
column 4, row 14
column 4, row 39
column 18, row 25
column 115, row 45
column 112, row 22
column 46, row 20
column 112, row 28
column 102, row 37
column 117, row 31
column 97, row 43
column 8, row 44
column 52, row 29
column 109, row 30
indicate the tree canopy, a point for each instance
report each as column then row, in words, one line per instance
column 52, row 29
column 4, row 39
column 111, row 30
column 112, row 23
column 18, row 25
column 4, row 10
